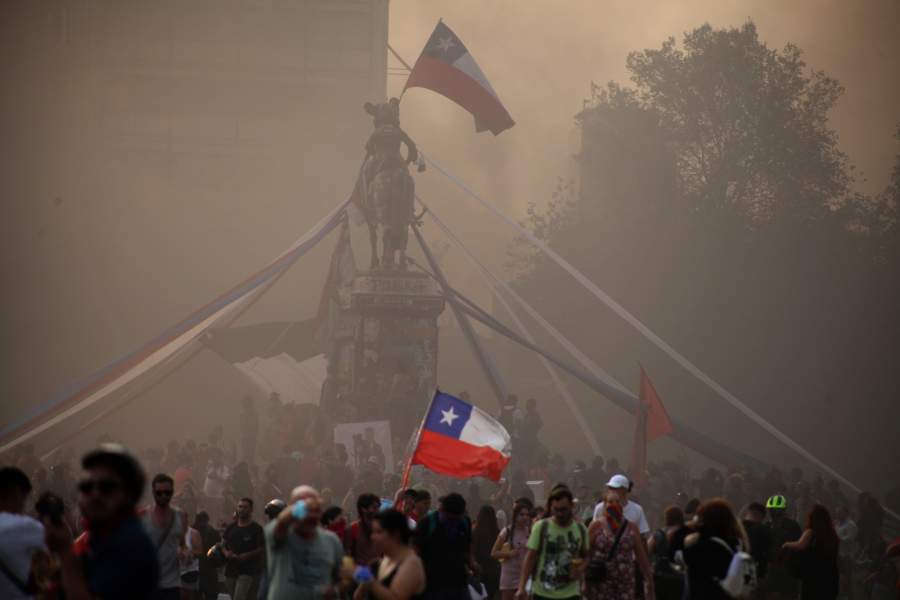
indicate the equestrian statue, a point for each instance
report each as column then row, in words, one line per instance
column 390, row 189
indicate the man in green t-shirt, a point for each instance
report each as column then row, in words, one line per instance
column 558, row 547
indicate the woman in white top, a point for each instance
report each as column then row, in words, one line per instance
column 510, row 549
column 399, row 574
column 190, row 565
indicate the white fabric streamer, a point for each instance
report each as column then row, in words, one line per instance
column 493, row 284
column 646, row 332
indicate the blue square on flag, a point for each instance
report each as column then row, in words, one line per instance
column 448, row 415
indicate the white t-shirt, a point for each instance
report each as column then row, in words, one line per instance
column 20, row 537
column 632, row 511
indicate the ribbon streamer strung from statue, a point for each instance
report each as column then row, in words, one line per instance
column 164, row 347
column 645, row 331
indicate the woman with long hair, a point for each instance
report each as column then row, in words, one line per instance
column 484, row 533
column 510, row 549
column 614, row 544
column 819, row 544
column 399, row 574
column 709, row 551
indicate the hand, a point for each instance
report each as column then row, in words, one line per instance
column 520, row 594
column 577, row 569
column 57, row 536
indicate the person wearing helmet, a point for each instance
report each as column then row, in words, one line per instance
column 114, row 558
column 273, row 509
column 780, row 584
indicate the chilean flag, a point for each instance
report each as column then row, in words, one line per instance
column 446, row 67
column 460, row 440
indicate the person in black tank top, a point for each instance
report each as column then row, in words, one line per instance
column 399, row 574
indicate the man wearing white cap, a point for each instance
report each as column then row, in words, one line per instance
column 620, row 487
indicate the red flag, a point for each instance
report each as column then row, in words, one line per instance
column 658, row 421
column 446, row 67
column 639, row 448
column 651, row 421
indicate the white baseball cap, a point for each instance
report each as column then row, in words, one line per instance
column 618, row 482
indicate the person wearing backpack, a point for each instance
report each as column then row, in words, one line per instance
column 615, row 543
column 443, row 540
column 718, row 567
column 662, row 547
column 557, row 549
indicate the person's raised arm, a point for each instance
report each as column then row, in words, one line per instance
column 282, row 525
column 802, row 543
column 497, row 552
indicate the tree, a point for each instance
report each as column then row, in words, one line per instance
column 715, row 204
column 748, row 123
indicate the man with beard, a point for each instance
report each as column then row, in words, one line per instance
column 243, row 548
column 114, row 559
column 166, row 527
column 557, row 547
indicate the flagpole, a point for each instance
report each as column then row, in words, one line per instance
column 408, row 467
column 400, row 58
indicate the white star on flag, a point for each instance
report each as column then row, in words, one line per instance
column 445, row 44
column 448, row 416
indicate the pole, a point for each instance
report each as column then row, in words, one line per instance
column 495, row 284
column 404, row 482
column 484, row 361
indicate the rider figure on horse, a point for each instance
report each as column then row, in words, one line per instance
column 390, row 188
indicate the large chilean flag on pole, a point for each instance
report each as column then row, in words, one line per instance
column 446, row 67
column 460, row 440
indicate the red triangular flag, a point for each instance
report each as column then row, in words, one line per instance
column 658, row 422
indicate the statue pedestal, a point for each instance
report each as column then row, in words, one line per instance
column 383, row 360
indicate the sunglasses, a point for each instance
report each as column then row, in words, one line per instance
column 162, row 492
column 104, row 486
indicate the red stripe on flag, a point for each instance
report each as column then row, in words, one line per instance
column 449, row 456
column 445, row 79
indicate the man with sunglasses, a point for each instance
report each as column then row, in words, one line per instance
column 114, row 558
column 166, row 527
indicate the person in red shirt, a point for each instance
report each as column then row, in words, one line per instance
column 358, row 539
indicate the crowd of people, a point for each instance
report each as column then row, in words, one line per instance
column 304, row 520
